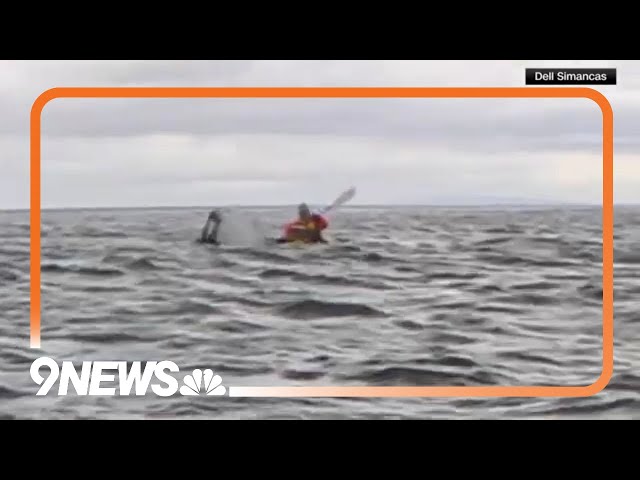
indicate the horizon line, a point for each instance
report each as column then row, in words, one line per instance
column 293, row 205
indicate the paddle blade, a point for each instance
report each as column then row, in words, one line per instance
column 342, row 199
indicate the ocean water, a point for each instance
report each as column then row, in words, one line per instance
column 399, row 296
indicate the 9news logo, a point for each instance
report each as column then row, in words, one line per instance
column 132, row 380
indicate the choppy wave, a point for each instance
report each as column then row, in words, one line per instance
column 305, row 309
column 412, row 296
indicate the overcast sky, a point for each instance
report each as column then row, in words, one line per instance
column 156, row 152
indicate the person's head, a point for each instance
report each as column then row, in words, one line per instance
column 303, row 212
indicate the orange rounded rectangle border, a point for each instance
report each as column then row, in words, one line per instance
column 359, row 92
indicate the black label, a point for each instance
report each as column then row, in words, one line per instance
column 570, row 76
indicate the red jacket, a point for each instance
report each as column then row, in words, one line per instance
column 318, row 222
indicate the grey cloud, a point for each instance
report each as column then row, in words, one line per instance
column 308, row 72
column 155, row 151
column 494, row 124
column 274, row 169
column 56, row 73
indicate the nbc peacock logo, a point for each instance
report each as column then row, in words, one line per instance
column 203, row 382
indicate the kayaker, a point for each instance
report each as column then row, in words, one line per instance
column 306, row 228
